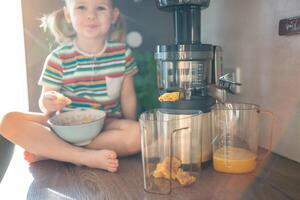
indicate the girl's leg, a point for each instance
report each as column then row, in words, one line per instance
column 120, row 135
column 30, row 131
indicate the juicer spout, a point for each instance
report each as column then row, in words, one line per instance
column 227, row 83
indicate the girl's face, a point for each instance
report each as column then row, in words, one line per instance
column 91, row 19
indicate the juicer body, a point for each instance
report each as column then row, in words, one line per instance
column 190, row 70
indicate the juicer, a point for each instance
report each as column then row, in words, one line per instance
column 193, row 71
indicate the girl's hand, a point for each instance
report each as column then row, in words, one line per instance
column 54, row 101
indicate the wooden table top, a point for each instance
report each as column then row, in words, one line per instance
column 274, row 178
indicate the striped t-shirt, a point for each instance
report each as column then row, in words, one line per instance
column 89, row 81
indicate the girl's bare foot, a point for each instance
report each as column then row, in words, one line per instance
column 31, row 158
column 101, row 159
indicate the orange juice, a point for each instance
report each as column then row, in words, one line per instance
column 234, row 160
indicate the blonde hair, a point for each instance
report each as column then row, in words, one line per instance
column 63, row 31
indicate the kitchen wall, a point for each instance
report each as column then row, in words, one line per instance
column 246, row 30
column 269, row 63
column 36, row 43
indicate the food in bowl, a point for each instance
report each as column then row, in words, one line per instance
column 78, row 127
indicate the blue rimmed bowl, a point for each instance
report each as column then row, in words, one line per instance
column 78, row 127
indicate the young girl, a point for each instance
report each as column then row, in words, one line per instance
column 93, row 72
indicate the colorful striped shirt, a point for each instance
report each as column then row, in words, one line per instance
column 89, row 81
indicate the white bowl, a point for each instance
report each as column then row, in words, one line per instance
column 78, row 127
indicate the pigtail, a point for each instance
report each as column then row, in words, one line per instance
column 56, row 23
column 118, row 30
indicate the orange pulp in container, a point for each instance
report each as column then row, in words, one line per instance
column 234, row 160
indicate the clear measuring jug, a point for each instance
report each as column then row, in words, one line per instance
column 235, row 130
column 171, row 149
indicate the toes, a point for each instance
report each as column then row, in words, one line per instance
column 112, row 155
column 114, row 163
column 112, row 169
column 28, row 159
column 26, row 153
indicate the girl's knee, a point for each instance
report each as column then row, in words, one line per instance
column 8, row 121
column 134, row 140
column 10, row 117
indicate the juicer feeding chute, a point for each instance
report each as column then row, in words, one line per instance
column 187, row 18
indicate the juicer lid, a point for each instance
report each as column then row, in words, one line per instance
column 184, row 47
column 184, row 52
